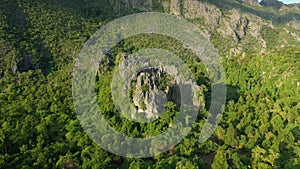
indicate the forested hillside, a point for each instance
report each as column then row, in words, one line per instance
column 259, row 49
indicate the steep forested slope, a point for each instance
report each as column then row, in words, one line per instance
column 259, row 45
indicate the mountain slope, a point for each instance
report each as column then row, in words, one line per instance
column 259, row 44
column 249, row 27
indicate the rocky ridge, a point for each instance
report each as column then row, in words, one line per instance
column 243, row 25
column 150, row 88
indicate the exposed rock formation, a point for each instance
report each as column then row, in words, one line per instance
column 235, row 25
column 239, row 25
column 250, row 2
column 151, row 88
column 195, row 9
column 295, row 24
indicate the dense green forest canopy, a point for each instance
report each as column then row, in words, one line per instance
column 39, row 128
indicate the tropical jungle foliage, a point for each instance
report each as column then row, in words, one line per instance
column 39, row 128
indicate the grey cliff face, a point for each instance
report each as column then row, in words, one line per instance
column 235, row 25
column 152, row 87
column 243, row 24
column 151, row 94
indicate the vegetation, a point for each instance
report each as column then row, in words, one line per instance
column 39, row 129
